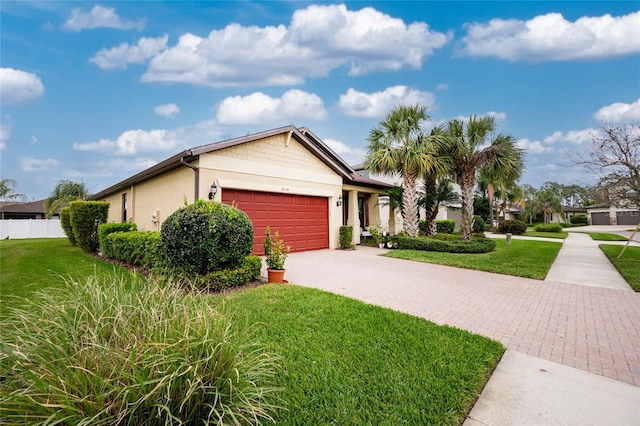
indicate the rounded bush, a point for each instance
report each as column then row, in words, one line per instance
column 548, row 227
column 515, row 227
column 579, row 219
column 479, row 225
column 205, row 237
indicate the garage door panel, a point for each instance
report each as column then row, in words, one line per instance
column 302, row 221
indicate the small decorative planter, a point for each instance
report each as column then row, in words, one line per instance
column 275, row 275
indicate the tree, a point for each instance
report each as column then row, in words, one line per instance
column 64, row 192
column 7, row 192
column 472, row 147
column 436, row 192
column 545, row 202
column 398, row 145
column 393, row 199
column 614, row 156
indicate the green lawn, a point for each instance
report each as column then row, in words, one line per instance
column 628, row 265
column 601, row 236
column 344, row 362
column 523, row 258
column 560, row 235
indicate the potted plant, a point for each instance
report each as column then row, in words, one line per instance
column 276, row 253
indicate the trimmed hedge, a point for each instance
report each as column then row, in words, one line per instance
column 480, row 245
column 249, row 271
column 346, row 237
column 85, row 217
column 205, row 237
column 548, row 227
column 579, row 219
column 65, row 222
column 514, row 227
column 479, row 225
column 109, row 228
column 135, row 248
column 445, row 226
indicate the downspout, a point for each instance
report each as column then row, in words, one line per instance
column 196, row 185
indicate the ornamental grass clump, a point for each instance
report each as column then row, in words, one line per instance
column 108, row 352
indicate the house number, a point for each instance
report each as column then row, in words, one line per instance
column 285, row 189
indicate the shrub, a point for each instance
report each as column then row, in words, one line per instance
column 479, row 225
column 229, row 278
column 445, row 226
column 480, row 245
column 579, row 219
column 548, row 227
column 205, row 237
column 109, row 228
column 515, row 227
column 346, row 237
column 135, row 248
column 565, row 225
column 102, row 352
column 65, row 222
column 85, row 217
column 274, row 249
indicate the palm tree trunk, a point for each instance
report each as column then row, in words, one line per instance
column 410, row 203
column 467, row 180
column 431, row 227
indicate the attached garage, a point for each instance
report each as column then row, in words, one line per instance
column 629, row 217
column 301, row 220
column 600, row 218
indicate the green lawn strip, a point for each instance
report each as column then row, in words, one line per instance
column 349, row 363
column 27, row 266
column 522, row 258
column 628, row 265
column 601, row 236
column 560, row 235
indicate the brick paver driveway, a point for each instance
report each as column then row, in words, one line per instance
column 591, row 328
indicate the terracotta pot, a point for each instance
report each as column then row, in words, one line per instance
column 276, row 275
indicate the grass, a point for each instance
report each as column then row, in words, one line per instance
column 628, row 265
column 522, row 258
column 601, row 236
column 343, row 362
column 560, row 235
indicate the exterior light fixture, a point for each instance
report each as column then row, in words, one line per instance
column 214, row 190
column 339, row 203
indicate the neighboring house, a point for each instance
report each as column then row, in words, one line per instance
column 32, row 210
column 609, row 214
column 285, row 178
column 570, row 212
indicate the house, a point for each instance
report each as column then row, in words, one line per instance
column 611, row 214
column 286, row 178
column 31, row 210
column 570, row 212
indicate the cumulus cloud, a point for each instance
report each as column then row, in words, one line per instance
column 574, row 137
column 168, row 111
column 349, row 154
column 124, row 54
column 551, row 37
column 132, row 142
column 99, row 17
column 30, row 164
column 533, row 147
column 377, row 104
column 619, row 112
column 259, row 108
column 18, row 86
column 319, row 39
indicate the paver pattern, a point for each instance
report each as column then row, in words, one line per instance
column 590, row 328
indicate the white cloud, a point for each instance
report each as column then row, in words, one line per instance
column 132, row 142
column 619, row 112
column 533, row 147
column 574, row 137
column 551, row 37
column 259, row 108
column 168, row 111
column 377, row 104
column 18, row 86
column 347, row 153
column 121, row 56
column 319, row 39
column 30, row 164
column 5, row 135
column 99, row 17
column 442, row 86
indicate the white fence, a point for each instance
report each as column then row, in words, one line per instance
column 30, row 228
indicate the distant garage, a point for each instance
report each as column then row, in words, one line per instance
column 628, row 217
column 600, row 218
column 301, row 220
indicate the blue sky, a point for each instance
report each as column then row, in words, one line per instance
column 96, row 92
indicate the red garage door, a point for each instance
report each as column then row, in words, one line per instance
column 303, row 221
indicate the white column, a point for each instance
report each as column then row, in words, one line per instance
column 353, row 219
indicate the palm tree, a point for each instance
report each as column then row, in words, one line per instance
column 7, row 193
column 436, row 192
column 392, row 198
column 545, row 202
column 64, row 192
column 472, row 147
column 398, row 145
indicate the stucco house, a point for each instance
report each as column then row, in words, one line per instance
column 27, row 210
column 286, row 178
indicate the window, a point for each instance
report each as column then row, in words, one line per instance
column 124, row 207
